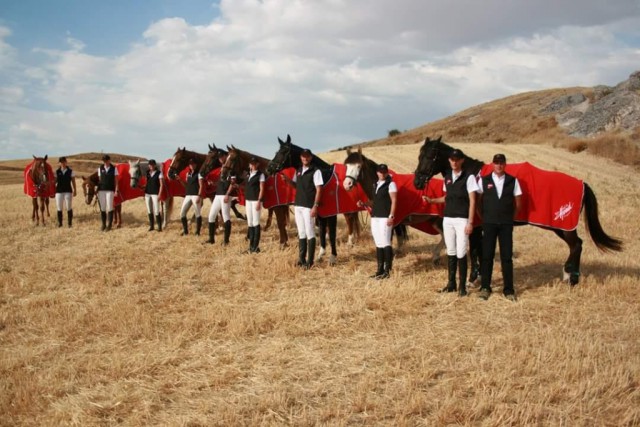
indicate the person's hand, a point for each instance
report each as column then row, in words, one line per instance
column 226, row 198
column 197, row 199
column 389, row 221
column 314, row 211
column 74, row 193
column 360, row 204
column 258, row 206
column 427, row 199
column 468, row 229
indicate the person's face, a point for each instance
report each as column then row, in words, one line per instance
column 63, row 165
column 381, row 176
column 456, row 164
column 152, row 166
column 253, row 166
column 499, row 167
column 306, row 159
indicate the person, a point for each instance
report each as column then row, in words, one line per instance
column 193, row 188
column 253, row 192
column 154, row 187
column 459, row 208
column 382, row 215
column 499, row 200
column 65, row 190
column 221, row 204
column 308, row 182
column 107, row 188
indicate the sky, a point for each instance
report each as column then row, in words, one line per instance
column 146, row 77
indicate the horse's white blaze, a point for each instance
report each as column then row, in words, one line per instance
column 353, row 170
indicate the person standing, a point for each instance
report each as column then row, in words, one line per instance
column 152, row 191
column 222, row 204
column 253, row 192
column 65, row 190
column 107, row 189
column 308, row 183
column 382, row 215
column 459, row 208
column 194, row 185
column 500, row 201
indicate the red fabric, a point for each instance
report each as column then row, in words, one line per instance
column 549, row 198
column 410, row 201
column 30, row 188
column 277, row 192
column 124, row 185
column 173, row 187
column 335, row 199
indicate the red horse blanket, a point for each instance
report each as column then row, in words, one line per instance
column 549, row 198
column 32, row 190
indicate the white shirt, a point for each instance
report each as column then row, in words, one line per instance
column 317, row 177
column 156, row 171
column 472, row 184
column 499, row 183
column 393, row 188
column 106, row 169
column 73, row 174
column 262, row 178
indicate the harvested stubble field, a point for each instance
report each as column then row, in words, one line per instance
column 138, row 328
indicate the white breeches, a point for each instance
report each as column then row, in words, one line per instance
column 454, row 236
column 186, row 204
column 305, row 223
column 253, row 215
column 105, row 198
column 64, row 199
column 381, row 232
column 153, row 204
column 219, row 205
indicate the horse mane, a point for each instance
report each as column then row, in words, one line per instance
column 239, row 167
column 368, row 174
column 470, row 165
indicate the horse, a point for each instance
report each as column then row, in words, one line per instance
column 288, row 156
column 89, row 186
column 38, row 184
column 362, row 170
column 433, row 159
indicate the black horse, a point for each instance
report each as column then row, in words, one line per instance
column 289, row 156
column 433, row 159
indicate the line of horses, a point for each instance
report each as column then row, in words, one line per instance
column 345, row 185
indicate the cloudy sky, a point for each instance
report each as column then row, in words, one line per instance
column 86, row 75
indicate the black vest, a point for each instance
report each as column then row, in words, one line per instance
column 193, row 185
column 498, row 210
column 252, row 187
column 381, row 200
column 107, row 179
column 222, row 187
column 305, row 188
column 63, row 181
column 456, row 202
column 153, row 183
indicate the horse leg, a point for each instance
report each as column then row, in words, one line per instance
column 118, row 215
column 168, row 209
column 475, row 253
column 333, row 226
column 281, row 220
column 322, row 225
column 269, row 219
column 571, row 269
column 46, row 203
column 34, row 210
column 42, row 203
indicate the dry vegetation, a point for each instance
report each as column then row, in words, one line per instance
column 138, row 328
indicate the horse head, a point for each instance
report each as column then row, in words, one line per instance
column 39, row 171
column 354, row 163
column 179, row 161
column 89, row 187
column 230, row 165
column 136, row 173
column 211, row 161
column 282, row 159
column 431, row 161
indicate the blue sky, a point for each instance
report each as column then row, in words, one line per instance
column 145, row 77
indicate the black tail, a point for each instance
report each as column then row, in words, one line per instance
column 603, row 241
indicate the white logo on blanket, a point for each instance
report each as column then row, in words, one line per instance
column 563, row 212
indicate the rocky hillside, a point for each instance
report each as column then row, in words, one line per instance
column 604, row 120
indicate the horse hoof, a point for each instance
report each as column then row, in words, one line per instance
column 332, row 260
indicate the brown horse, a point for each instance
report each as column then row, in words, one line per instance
column 38, row 182
column 89, row 190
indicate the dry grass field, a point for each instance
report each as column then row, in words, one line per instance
column 138, row 328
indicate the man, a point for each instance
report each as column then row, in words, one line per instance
column 107, row 188
column 152, row 191
column 500, row 201
column 308, row 182
column 65, row 190
column 194, row 187
column 460, row 203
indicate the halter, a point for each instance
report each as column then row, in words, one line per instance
column 429, row 172
column 226, row 168
column 286, row 158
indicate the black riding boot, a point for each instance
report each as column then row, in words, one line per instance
column 311, row 252
column 302, row 252
column 452, row 267
column 388, row 262
column 380, row 259
column 462, row 269
column 59, row 218
column 70, row 217
column 103, row 217
column 150, row 222
column 185, row 226
column 212, row 233
column 159, row 222
column 227, row 232
column 198, row 225
column 109, row 220
column 256, row 239
column 250, row 233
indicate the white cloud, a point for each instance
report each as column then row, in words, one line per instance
column 331, row 73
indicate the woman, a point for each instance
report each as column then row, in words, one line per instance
column 154, row 187
column 65, row 190
column 221, row 202
column 253, row 191
column 382, row 215
column 193, row 187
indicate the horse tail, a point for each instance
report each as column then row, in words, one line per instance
column 357, row 224
column 603, row 241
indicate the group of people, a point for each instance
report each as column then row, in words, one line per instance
column 494, row 198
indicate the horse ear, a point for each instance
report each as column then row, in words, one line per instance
column 280, row 141
column 348, row 150
column 228, row 148
column 34, row 156
column 440, row 138
column 359, row 150
column 288, row 139
column 46, row 156
column 210, row 147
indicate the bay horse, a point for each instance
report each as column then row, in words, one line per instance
column 288, row 156
column 89, row 190
column 362, row 170
column 433, row 160
column 38, row 185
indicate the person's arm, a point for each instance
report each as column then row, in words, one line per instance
column 517, row 192
column 472, row 209
column 260, row 196
column 288, row 180
column 73, row 185
column 434, row 201
column 394, row 197
column 161, row 179
column 200, row 186
column 316, row 201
